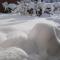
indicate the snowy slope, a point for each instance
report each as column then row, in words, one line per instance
column 14, row 22
column 14, row 26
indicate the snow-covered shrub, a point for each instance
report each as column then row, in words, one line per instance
column 40, row 4
column 56, row 7
column 5, row 5
column 30, row 11
column 13, row 53
column 57, row 4
column 27, row 8
column 12, row 6
column 19, row 9
column 39, row 11
column 23, row 8
column 48, row 5
column 9, row 7
column 26, row 5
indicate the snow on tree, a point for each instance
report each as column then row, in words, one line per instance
column 23, row 7
column 56, row 7
column 3, row 37
column 5, row 5
column 29, row 7
column 48, row 6
column 9, row 7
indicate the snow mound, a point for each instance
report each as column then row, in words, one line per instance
column 13, row 53
column 44, row 37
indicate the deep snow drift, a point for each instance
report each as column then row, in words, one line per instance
column 13, row 53
column 23, row 33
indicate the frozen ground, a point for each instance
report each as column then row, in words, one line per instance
column 14, row 26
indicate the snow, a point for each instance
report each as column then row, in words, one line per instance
column 18, row 37
column 13, row 53
column 14, row 27
column 1, row 37
column 5, row 4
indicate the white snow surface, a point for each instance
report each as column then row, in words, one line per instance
column 13, row 53
column 14, row 26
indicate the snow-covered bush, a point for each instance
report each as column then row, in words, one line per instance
column 47, row 7
column 13, row 53
column 9, row 7
column 23, row 7
column 20, row 8
column 5, row 5
column 26, row 8
column 56, row 7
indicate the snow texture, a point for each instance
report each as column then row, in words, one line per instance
column 36, row 37
column 13, row 53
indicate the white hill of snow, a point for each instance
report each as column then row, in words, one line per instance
column 15, row 30
column 13, row 53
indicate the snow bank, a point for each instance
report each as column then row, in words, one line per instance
column 31, row 42
column 35, row 36
column 45, row 39
column 13, row 53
